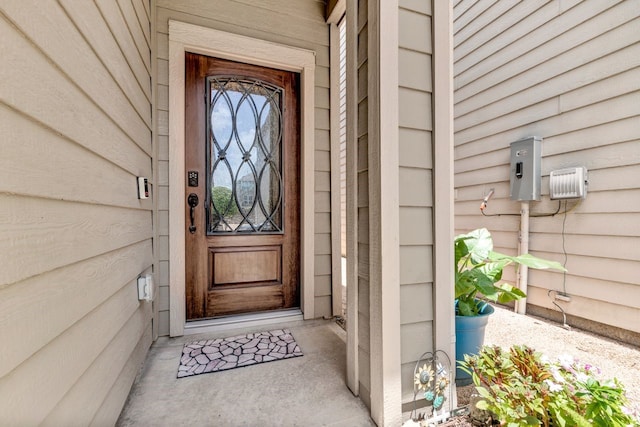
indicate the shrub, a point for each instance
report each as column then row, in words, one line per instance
column 522, row 388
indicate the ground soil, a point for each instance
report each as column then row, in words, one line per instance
column 614, row 359
column 457, row 422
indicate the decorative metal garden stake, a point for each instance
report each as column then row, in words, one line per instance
column 432, row 382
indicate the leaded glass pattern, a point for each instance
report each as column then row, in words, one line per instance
column 244, row 128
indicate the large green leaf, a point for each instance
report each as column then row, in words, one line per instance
column 465, row 283
column 461, row 250
column 509, row 293
column 493, row 270
column 478, row 268
column 531, row 421
column 484, row 285
column 478, row 243
column 528, row 260
column 466, row 309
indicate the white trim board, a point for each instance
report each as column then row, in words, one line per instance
column 336, row 256
column 443, row 166
column 353, row 368
column 183, row 38
column 384, row 223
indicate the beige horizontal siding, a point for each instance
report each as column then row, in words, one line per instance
column 115, row 399
column 545, row 14
column 246, row 16
column 468, row 37
column 546, row 117
column 415, row 148
column 137, row 62
column 415, row 122
column 302, row 26
column 55, row 100
column 53, row 290
column 607, row 148
column 568, row 72
column 84, row 68
column 593, row 309
column 75, row 131
column 73, row 231
column 35, row 163
column 83, row 402
column 534, row 86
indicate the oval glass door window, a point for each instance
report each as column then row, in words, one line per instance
column 244, row 155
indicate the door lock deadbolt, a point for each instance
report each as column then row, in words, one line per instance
column 192, row 178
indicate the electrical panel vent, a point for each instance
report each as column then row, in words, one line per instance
column 568, row 183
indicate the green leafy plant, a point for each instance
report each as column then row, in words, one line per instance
column 478, row 269
column 521, row 387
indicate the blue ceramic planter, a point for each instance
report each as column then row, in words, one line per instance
column 469, row 339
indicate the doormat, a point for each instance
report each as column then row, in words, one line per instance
column 221, row 354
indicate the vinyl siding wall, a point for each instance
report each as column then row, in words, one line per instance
column 567, row 71
column 416, row 186
column 302, row 26
column 75, row 131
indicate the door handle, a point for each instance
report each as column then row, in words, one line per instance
column 192, row 200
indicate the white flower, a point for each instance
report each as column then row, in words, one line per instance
column 566, row 360
column 553, row 387
column 582, row 377
column 556, row 374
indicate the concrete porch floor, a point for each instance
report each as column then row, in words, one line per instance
column 302, row 391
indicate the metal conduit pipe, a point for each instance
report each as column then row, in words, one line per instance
column 523, row 248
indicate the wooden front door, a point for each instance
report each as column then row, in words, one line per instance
column 242, row 192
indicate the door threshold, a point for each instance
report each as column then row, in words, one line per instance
column 242, row 321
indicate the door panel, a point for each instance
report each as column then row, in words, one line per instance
column 231, row 301
column 242, row 144
column 261, row 265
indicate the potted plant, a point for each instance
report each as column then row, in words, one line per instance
column 478, row 269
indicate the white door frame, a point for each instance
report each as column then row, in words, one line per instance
column 183, row 38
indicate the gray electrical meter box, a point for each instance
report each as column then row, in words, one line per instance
column 525, row 169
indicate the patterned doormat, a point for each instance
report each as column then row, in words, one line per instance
column 222, row 354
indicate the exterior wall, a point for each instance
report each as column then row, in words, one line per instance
column 75, row 131
column 566, row 71
column 303, row 26
column 415, row 50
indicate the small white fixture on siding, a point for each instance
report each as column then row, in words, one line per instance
column 145, row 288
column 143, row 188
column 568, row 183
